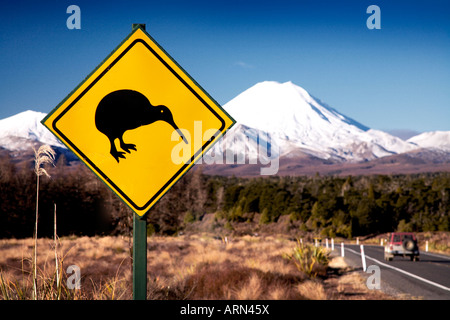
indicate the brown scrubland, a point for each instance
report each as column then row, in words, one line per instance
column 184, row 267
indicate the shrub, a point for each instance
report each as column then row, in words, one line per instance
column 404, row 227
column 308, row 258
column 265, row 218
column 189, row 217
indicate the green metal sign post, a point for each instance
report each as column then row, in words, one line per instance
column 139, row 257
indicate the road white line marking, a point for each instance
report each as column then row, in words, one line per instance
column 403, row 271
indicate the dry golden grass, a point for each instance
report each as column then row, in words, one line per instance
column 104, row 262
column 312, row 290
column 186, row 267
column 200, row 267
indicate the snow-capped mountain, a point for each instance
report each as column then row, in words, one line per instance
column 23, row 130
column 273, row 119
column 296, row 121
column 435, row 139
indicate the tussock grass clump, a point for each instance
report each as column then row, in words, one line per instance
column 237, row 282
column 309, row 259
column 312, row 290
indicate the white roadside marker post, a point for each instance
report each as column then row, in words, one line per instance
column 363, row 258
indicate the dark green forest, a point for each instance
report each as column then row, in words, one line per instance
column 327, row 205
column 345, row 206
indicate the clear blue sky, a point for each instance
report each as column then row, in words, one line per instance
column 394, row 78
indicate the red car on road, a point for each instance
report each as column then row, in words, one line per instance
column 401, row 244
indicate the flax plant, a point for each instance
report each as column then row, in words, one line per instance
column 45, row 154
column 306, row 257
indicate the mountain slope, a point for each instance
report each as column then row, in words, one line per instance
column 294, row 120
column 23, row 130
column 279, row 121
column 435, row 139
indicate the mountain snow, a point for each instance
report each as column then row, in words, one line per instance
column 434, row 139
column 273, row 119
column 294, row 120
column 21, row 131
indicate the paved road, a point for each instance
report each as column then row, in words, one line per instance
column 428, row 278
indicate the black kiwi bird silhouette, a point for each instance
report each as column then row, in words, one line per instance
column 124, row 110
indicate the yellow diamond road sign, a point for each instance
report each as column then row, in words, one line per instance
column 139, row 121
